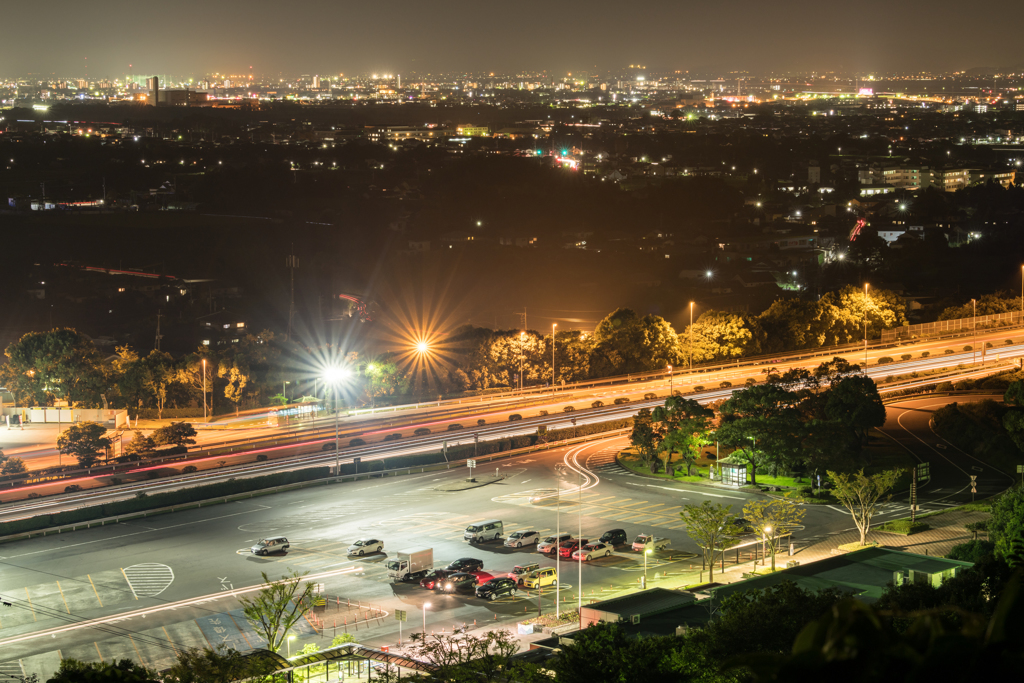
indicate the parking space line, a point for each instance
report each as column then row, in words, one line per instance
column 30, row 604
column 141, row 659
column 94, row 590
column 130, row 586
column 649, row 507
column 169, row 640
column 97, row 651
column 63, row 599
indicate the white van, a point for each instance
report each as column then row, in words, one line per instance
column 478, row 532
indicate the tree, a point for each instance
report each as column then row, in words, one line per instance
column 130, row 378
column 774, row 519
column 13, row 465
column 844, row 312
column 277, row 607
column 236, row 381
column 720, row 335
column 465, row 658
column 645, row 438
column 791, row 324
column 218, row 664
column 119, row 671
column 158, row 374
column 855, row 402
column 84, row 441
column 1007, row 521
column 139, row 448
column 59, row 364
column 684, row 426
column 860, row 493
column 603, row 652
column 709, row 525
column 175, row 434
column 624, row 342
column 762, row 418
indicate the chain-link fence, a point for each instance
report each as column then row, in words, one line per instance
column 941, row 327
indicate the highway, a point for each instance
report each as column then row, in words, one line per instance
column 169, row 581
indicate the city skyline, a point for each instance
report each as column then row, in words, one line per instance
column 462, row 37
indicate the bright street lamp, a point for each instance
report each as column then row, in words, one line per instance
column 691, row 336
column 670, row 381
column 290, row 639
column 422, row 347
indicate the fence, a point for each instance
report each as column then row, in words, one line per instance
column 941, row 327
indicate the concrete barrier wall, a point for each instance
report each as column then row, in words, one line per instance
column 111, row 418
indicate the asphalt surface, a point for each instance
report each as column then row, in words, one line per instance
column 168, row 582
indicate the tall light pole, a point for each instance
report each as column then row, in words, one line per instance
column 670, row 382
column 334, row 377
column 646, row 553
column 1022, row 293
column 553, row 326
column 204, row 391
column 558, row 548
column 690, row 329
column 866, row 285
column 974, row 331
column 579, row 563
column 522, row 339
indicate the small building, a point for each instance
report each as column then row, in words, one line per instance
column 633, row 608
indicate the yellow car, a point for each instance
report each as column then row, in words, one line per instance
column 541, row 578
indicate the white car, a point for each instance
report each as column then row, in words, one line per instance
column 551, row 543
column 366, row 545
column 517, row 539
column 592, row 551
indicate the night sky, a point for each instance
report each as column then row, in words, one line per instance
column 194, row 37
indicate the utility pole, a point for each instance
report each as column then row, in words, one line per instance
column 291, row 262
column 159, row 336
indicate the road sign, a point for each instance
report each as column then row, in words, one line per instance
column 1020, row 469
column 471, row 463
column 923, row 472
column 401, row 615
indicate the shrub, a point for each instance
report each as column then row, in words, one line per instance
column 903, row 526
column 1008, row 342
column 72, row 489
column 725, row 384
column 568, row 409
column 949, row 351
column 422, row 431
column 806, row 491
column 515, row 417
column 988, row 345
column 968, row 348
column 35, row 495
column 542, row 413
column 356, row 442
column 597, row 404
column 650, row 396
column 262, row 457
column 454, row 427
column 699, row 387
column 189, row 469
column 925, row 354
column 750, row 382
column 481, row 422
column 906, row 356
column 620, row 400
column 884, row 359
column 971, row 551
column 393, row 437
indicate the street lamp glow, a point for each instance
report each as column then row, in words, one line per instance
column 422, row 347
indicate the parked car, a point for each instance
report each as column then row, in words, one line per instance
column 549, row 544
column 496, row 588
column 567, row 548
column 366, row 545
column 465, row 564
column 517, row 539
column 457, row 582
column 265, row 546
column 592, row 551
column 521, row 571
column 540, row 578
column 431, row 580
column 614, row 537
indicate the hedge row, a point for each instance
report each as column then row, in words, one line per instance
column 161, row 500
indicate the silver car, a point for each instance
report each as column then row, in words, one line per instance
column 592, row 551
column 366, row 545
column 551, row 543
column 265, row 546
column 517, row 539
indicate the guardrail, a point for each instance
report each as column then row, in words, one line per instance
column 331, row 479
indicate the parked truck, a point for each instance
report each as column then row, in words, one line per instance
column 645, row 542
column 411, row 565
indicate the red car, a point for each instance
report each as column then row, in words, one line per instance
column 567, row 548
column 482, row 577
column 431, row 580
